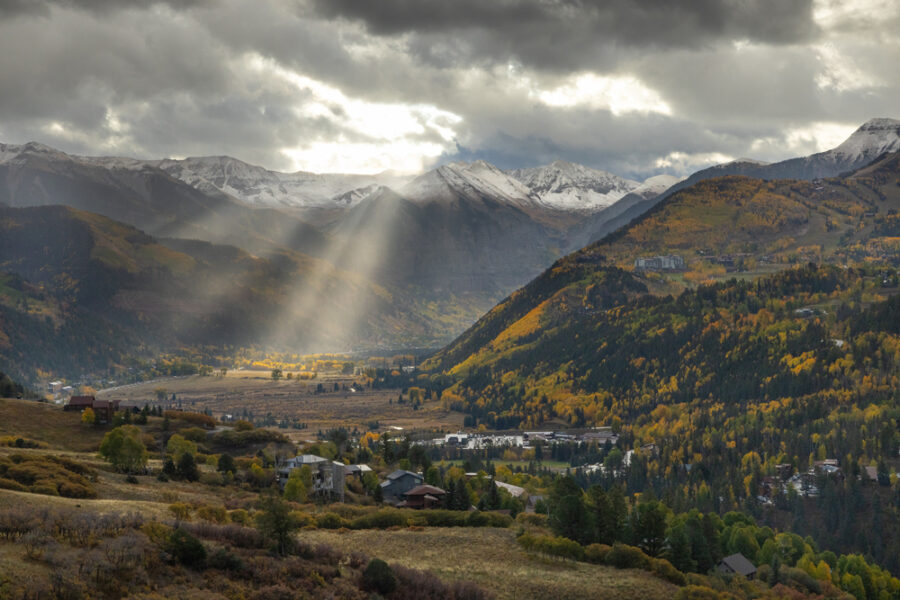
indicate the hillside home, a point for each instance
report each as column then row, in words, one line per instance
column 737, row 564
column 398, row 483
column 104, row 410
column 328, row 475
column 423, row 496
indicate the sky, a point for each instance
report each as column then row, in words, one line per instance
column 635, row 87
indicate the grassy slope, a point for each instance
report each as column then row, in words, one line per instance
column 47, row 423
column 492, row 559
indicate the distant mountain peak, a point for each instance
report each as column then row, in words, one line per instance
column 569, row 186
column 872, row 139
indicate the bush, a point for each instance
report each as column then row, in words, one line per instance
column 552, row 546
column 534, row 519
column 697, row 592
column 378, row 577
column 224, row 560
column 596, row 553
column 185, row 548
column 665, row 570
column 329, row 520
column 381, row 519
column 623, row 556
column 215, row 514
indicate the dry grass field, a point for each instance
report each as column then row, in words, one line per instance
column 291, row 399
column 47, row 423
column 491, row 558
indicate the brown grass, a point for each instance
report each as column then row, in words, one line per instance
column 492, row 559
column 47, row 423
column 291, row 399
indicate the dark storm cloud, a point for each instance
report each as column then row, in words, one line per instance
column 11, row 8
column 554, row 34
column 201, row 77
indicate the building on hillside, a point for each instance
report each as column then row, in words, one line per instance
column 328, row 475
column 398, row 483
column 423, row 496
column 671, row 262
column 514, row 490
column 737, row 564
column 104, row 410
column 357, row 470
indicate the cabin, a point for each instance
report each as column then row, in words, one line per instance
column 357, row 470
column 328, row 475
column 398, row 483
column 104, row 410
column 737, row 564
column 423, row 496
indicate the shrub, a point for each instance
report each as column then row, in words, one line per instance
column 552, row 546
column 378, row 577
column 185, row 548
column 197, row 419
column 596, row 553
column 381, row 519
column 240, row 516
column 181, row 510
column 534, row 519
column 329, row 520
column 623, row 556
column 9, row 484
column 216, row 514
column 697, row 592
column 224, row 560
column 665, row 570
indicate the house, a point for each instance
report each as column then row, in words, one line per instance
column 671, row 262
column 398, row 483
column 514, row 490
column 357, row 470
column 737, row 564
column 870, row 473
column 423, row 496
column 328, row 475
column 104, row 410
column 79, row 403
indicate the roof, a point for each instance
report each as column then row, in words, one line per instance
column 81, row 401
column 872, row 472
column 514, row 490
column 739, row 564
column 424, row 490
column 358, row 469
column 304, row 459
column 400, row 473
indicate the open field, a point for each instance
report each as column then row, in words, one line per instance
column 47, row 423
column 491, row 558
column 290, row 399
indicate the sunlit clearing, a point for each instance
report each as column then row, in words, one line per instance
column 377, row 136
column 617, row 94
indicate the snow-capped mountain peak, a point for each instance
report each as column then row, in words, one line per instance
column 872, row 139
column 569, row 186
column 475, row 181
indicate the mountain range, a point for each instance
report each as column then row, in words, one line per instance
column 399, row 260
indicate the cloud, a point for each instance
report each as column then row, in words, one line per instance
column 341, row 85
column 572, row 34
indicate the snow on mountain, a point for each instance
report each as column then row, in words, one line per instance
column 474, row 181
column 568, row 186
column 11, row 152
column 258, row 186
column 872, row 139
column 656, row 185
